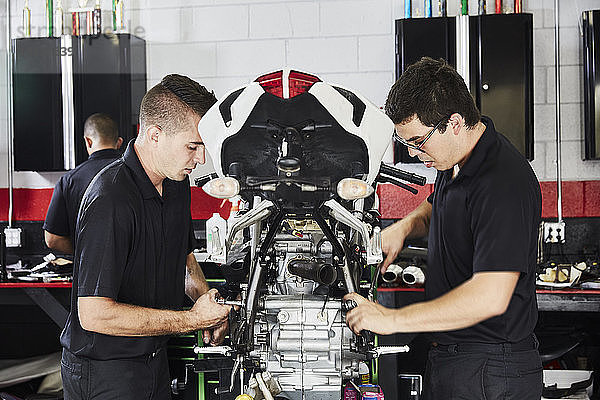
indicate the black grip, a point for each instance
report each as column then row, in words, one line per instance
column 203, row 180
column 405, row 176
column 389, row 179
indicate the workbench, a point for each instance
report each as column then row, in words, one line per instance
column 573, row 301
column 53, row 299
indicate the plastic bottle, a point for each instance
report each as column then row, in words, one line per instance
column 97, row 19
column 26, row 20
column 234, row 216
column 363, row 372
column 216, row 233
column 118, row 16
column 59, row 19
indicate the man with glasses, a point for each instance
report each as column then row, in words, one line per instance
column 482, row 224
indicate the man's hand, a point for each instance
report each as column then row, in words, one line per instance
column 414, row 225
column 216, row 335
column 369, row 316
column 207, row 312
column 392, row 242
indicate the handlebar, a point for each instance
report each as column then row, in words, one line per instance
column 403, row 175
column 203, row 180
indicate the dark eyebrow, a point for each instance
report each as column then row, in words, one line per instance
column 198, row 143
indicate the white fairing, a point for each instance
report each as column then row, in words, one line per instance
column 212, row 128
column 375, row 129
column 292, row 326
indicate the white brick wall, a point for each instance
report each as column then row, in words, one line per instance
column 322, row 55
column 252, row 57
column 284, row 20
column 355, row 18
column 225, row 43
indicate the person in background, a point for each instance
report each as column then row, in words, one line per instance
column 482, row 224
column 134, row 258
column 102, row 141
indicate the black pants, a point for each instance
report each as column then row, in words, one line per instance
column 483, row 372
column 124, row 379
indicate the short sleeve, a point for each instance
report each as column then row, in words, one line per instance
column 501, row 223
column 57, row 217
column 104, row 236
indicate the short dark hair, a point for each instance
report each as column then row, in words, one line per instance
column 168, row 103
column 101, row 127
column 432, row 90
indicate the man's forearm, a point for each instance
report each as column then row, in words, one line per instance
column 195, row 282
column 118, row 319
column 59, row 243
column 416, row 224
column 483, row 297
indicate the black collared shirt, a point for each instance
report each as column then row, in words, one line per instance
column 68, row 191
column 486, row 219
column 131, row 246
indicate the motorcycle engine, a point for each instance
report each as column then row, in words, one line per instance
column 301, row 337
column 303, row 341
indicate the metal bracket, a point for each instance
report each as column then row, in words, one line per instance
column 49, row 304
column 372, row 245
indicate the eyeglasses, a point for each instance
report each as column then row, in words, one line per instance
column 418, row 146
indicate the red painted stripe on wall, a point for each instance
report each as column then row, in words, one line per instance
column 32, row 204
column 28, row 204
column 580, row 199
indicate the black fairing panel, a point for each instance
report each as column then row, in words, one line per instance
column 327, row 151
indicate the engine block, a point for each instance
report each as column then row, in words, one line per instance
column 304, row 342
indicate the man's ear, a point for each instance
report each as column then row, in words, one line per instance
column 153, row 134
column 88, row 142
column 456, row 122
column 119, row 142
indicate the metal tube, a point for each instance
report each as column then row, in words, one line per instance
column 558, row 133
column 50, row 17
column 463, row 48
column 443, row 8
column 392, row 274
column 518, row 6
column 427, row 6
column 9, row 114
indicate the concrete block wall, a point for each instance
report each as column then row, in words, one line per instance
column 225, row 43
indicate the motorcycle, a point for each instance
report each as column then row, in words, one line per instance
column 304, row 157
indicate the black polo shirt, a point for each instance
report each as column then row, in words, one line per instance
column 486, row 219
column 68, row 191
column 131, row 245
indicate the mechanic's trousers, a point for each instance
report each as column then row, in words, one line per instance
column 125, row 379
column 473, row 371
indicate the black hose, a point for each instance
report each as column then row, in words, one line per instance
column 316, row 271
